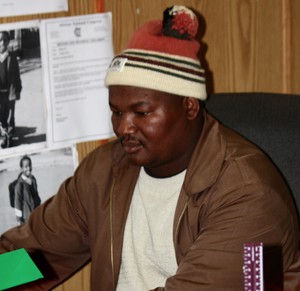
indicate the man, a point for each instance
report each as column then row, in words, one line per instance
column 170, row 203
column 10, row 84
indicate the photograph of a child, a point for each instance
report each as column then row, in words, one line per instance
column 22, row 109
column 28, row 180
column 23, row 191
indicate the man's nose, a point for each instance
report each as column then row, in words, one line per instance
column 126, row 125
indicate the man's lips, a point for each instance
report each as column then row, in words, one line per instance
column 131, row 147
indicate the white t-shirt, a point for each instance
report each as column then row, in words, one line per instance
column 148, row 256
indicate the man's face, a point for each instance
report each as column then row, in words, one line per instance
column 3, row 43
column 151, row 126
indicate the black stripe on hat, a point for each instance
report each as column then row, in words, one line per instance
column 162, row 57
column 165, row 72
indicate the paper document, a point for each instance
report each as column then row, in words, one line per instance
column 16, row 268
column 23, row 7
column 77, row 51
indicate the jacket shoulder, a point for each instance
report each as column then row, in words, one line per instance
column 103, row 158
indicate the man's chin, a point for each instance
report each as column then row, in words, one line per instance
column 136, row 160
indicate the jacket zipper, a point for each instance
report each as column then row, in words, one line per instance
column 111, row 232
column 179, row 221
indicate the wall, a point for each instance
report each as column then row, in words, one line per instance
column 248, row 45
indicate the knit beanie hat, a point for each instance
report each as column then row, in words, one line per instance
column 163, row 56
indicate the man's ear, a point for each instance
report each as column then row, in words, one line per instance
column 193, row 107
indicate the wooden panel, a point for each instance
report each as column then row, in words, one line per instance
column 79, row 282
column 295, row 46
column 242, row 43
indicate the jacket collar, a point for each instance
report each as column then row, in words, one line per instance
column 207, row 159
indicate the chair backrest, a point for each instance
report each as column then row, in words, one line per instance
column 271, row 121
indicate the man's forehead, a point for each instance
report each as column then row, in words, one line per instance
column 138, row 96
column 136, row 91
column 131, row 97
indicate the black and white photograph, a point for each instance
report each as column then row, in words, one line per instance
column 22, row 104
column 28, row 180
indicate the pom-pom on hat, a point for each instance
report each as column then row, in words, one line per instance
column 163, row 56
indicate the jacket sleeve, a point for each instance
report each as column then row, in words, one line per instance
column 55, row 237
column 215, row 259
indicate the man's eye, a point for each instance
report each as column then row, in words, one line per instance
column 117, row 113
column 142, row 113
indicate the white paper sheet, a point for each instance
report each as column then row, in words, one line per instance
column 76, row 54
column 23, row 7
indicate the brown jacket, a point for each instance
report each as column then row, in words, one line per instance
column 231, row 194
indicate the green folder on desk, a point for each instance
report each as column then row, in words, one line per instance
column 16, row 268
